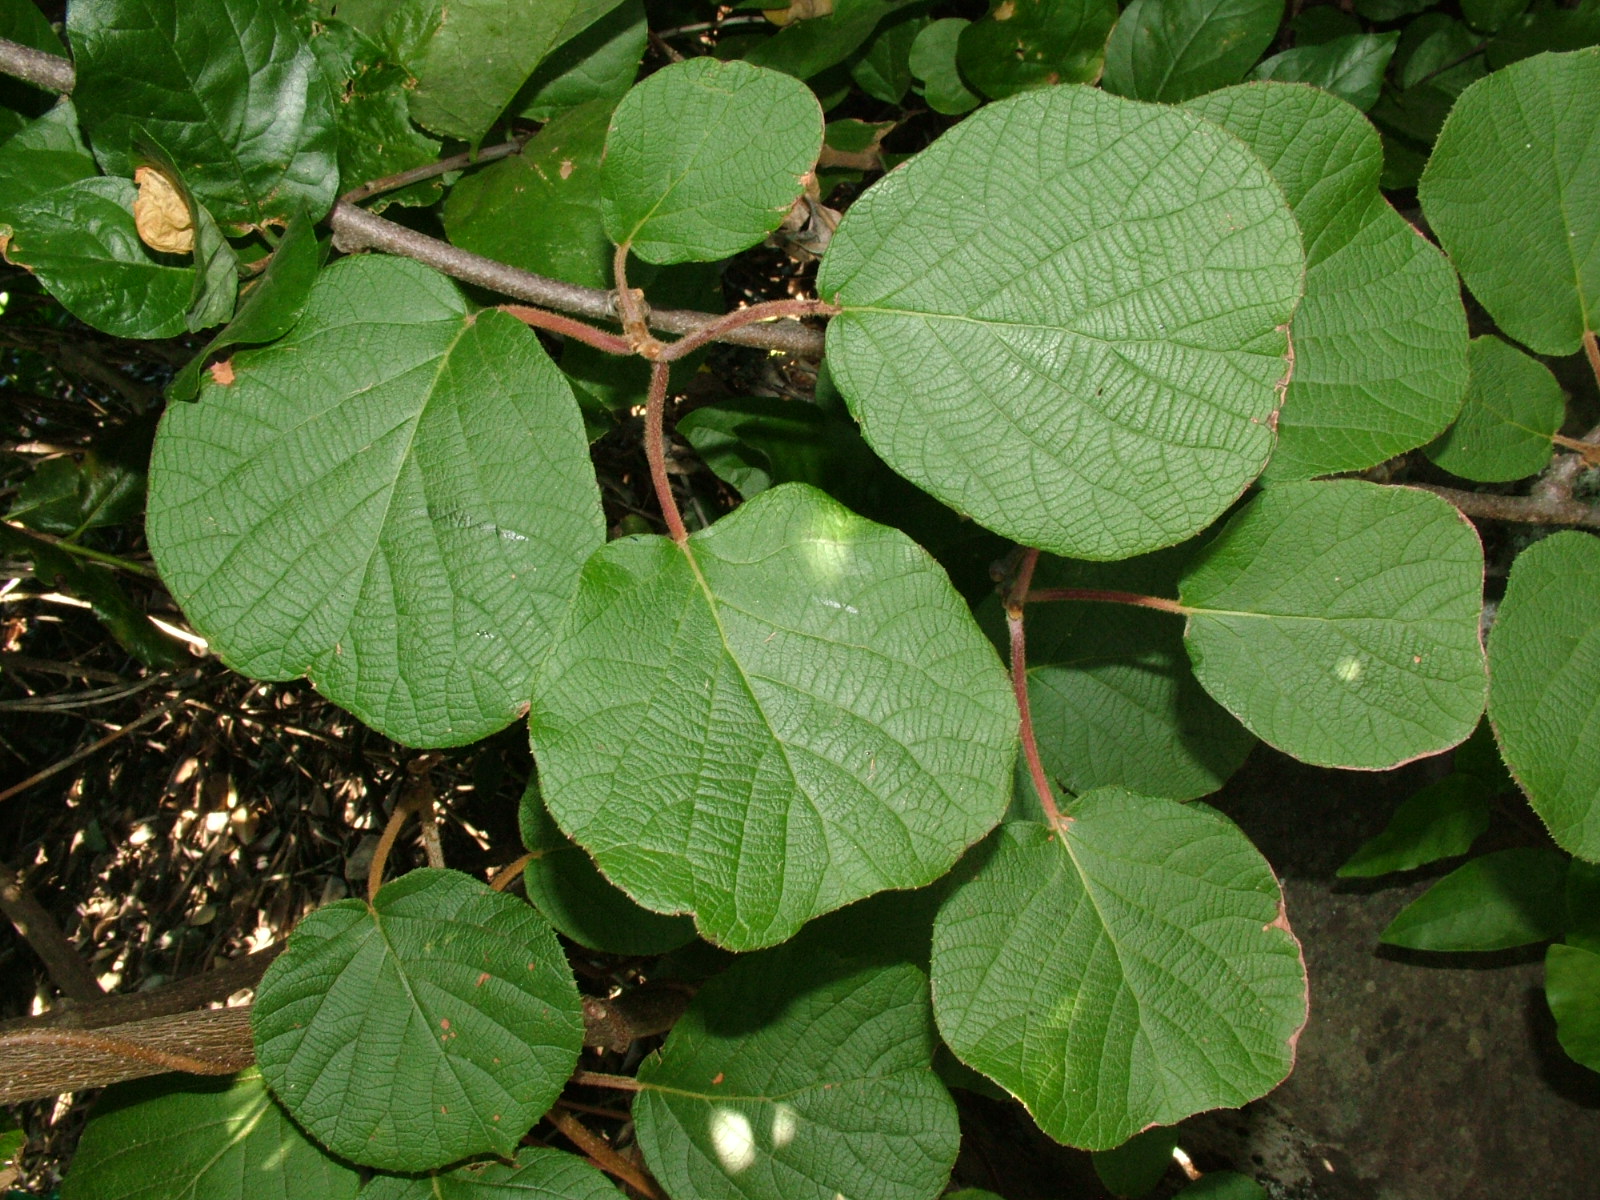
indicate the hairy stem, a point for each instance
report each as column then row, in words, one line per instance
column 1016, row 599
column 67, row 968
column 622, row 1083
column 538, row 318
column 740, row 318
column 1107, row 597
column 1525, row 510
column 655, row 451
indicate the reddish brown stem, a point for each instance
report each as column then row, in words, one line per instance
column 655, row 451
column 380, row 856
column 1044, row 595
column 630, row 307
column 741, row 317
column 568, row 327
column 1591, row 347
column 1016, row 597
column 506, row 875
column 601, row 1153
column 1526, row 510
column 622, row 1083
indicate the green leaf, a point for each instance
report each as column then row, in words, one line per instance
column 1350, row 67
column 1513, row 407
column 1544, row 691
column 1490, row 15
column 1313, row 26
column 1224, row 1185
column 64, row 496
column 800, row 1074
column 253, row 132
column 1139, row 1164
column 1513, row 193
column 1384, row 11
column 536, row 1173
column 704, row 158
column 1131, row 969
column 439, row 1022
column 933, row 61
column 883, row 71
column 1339, row 622
column 563, row 883
column 1380, row 339
column 269, row 307
column 1431, row 49
column 1583, row 905
column 1440, row 821
column 1112, row 696
column 477, row 54
column 178, row 1137
column 599, row 64
column 1172, row 50
column 46, row 154
column 838, row 724
column 1572, row 988
column 1024, row 44
column 22, row 22
column 1083, row 354
column 807, row 48
column 1548, row 26
column 541, row 210
column 355, row 506
column 1505, row 899
column 81, row 243
column 752, row 443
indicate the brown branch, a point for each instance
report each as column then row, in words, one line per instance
column 539, row 318
column 1591, row 347
column 1524, row 510
column 601, row 1153
column 68, row 971
column 1016, row 598
column 506, row 875
column 617, row 1023
column 1105, row 596
column 655, row 451
column 50, row 72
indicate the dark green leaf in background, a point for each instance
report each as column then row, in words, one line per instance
column 254, row 132
column 704, row 159
column 178, row 1137
column 1505, row 899
column 933, row 60
column 1130, row 969
column 752, row 443
column 1544, row 691
column 1224, row 1185
column 1350, row 67
column 563, row 883
column 541, row 210
column 1513, row 193
column 599, row 64
column 1491, row 15
column 536, row 1173
column 354, row 505
column 1139, row 1164
column 800, row 1074
column 1380, row 338
column 1173, row 49
column 791, row 712
column 1339, row 622
column 1583, row 905
column 439, row 1022
column 1547, row 25
column 1024, row 44
column 1065, row 318
column 809, row 47
column 883, row 70
column 1313, row 26
column 1513, row 407
column 1572, row 987
column 1440, row 821
column 46, row 154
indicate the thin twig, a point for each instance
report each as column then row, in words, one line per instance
column 1591, row 347
column 1524, row 510
column 601, row 1152
column 77, row 551
column 68, row 970
column 539, row 318
column 655, row 451
column 1016, row 599
column 51, row 72
column 1046, row 595
column 403, row 808
column 453, row 162
column 621, row 1083
column 506, row 875
column 94, row 748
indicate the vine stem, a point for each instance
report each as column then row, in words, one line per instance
column 570, row 327
column 50, row 72
column 1016, row 598
column 1591, row 347
column 622, row 1083
column 506, row 875
column 80, row 1039
column 453, row 162
column 87, row 552
column 655, row 451
column 415, row 797
column 1525, row 510
column 601, row 1153
column 1105, row 596
column 768, row 310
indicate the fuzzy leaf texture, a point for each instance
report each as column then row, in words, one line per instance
column 1065, row 319
column 790, row 712
column 536, row 1173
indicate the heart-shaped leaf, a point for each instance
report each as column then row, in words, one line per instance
column 1544, row 692
column 178, row 1137
column 354, row 505
column 1173, row 49
column 1380, row 339
column 1065, row 318
column 1130, row 969
column 1339, row 622
column 254, row 131
column 800, row 1074
column 537, row 1173
column 790, row 712
column 704, row 158
column 1513, row 192
column 438, row 1022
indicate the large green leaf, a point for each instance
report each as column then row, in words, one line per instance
column 1380, row 340
column 1112, row 696
column 253, row 131
column 790, row 712
column 1174, row 49
column 1513, row 407
column 800, row 1074
column 540, row 210
column 1350, row 68
column 1572, row 987
column 1339, row 622
column 438, row 1022
column 1440, row 821
column 1130, row 969
column 1505, row 899
column 704, row 158
column 1024, row 44
column 1544, row 692
column 81, row 243
column 177, row 1137
column 536, row 1173
column 355, row 505
column 1513, row 192
column 1065, row 318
